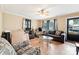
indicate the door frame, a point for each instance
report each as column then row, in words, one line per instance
column 68, row 24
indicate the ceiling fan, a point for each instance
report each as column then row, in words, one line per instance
column 43, row 12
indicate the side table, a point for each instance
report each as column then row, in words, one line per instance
column 77, row 48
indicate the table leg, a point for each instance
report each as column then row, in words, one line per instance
column 77, row 50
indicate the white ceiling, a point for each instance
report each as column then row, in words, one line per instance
column 30, row 10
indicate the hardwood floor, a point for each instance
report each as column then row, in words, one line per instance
column 54, row 47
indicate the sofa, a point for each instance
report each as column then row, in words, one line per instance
column 6, row 48
column 57, row 35
column 20, row 45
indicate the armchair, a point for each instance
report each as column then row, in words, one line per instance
column 21, row 43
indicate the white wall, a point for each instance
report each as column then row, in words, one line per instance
column 36, row 23
column 1, row 23
column 12, row 22
column 62, row 20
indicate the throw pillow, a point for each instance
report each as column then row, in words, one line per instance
column 24, row 44
column 16, row 47
column 58, row 33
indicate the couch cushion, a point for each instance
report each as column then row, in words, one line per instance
column 6, row 48
column 24, row 44
column 23, row 49
column 51, row 32
column 58, row 33
column 21, row 45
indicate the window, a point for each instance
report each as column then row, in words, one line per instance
column 73, row 25
column 48, row 25
column 27, row 24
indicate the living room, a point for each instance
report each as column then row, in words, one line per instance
column 18, row 22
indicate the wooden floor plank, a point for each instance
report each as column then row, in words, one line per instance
column 54, row 47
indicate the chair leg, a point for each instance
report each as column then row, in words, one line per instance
column 76, row 50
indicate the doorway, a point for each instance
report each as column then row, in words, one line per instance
column 73, row 29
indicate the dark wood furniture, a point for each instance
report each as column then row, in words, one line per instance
column 7, row 36
column 31, row 34
column 77, row 48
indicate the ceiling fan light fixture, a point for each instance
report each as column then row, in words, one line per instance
column 43, row 13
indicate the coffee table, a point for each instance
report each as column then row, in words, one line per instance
column 46, row 38
column 45, row 42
